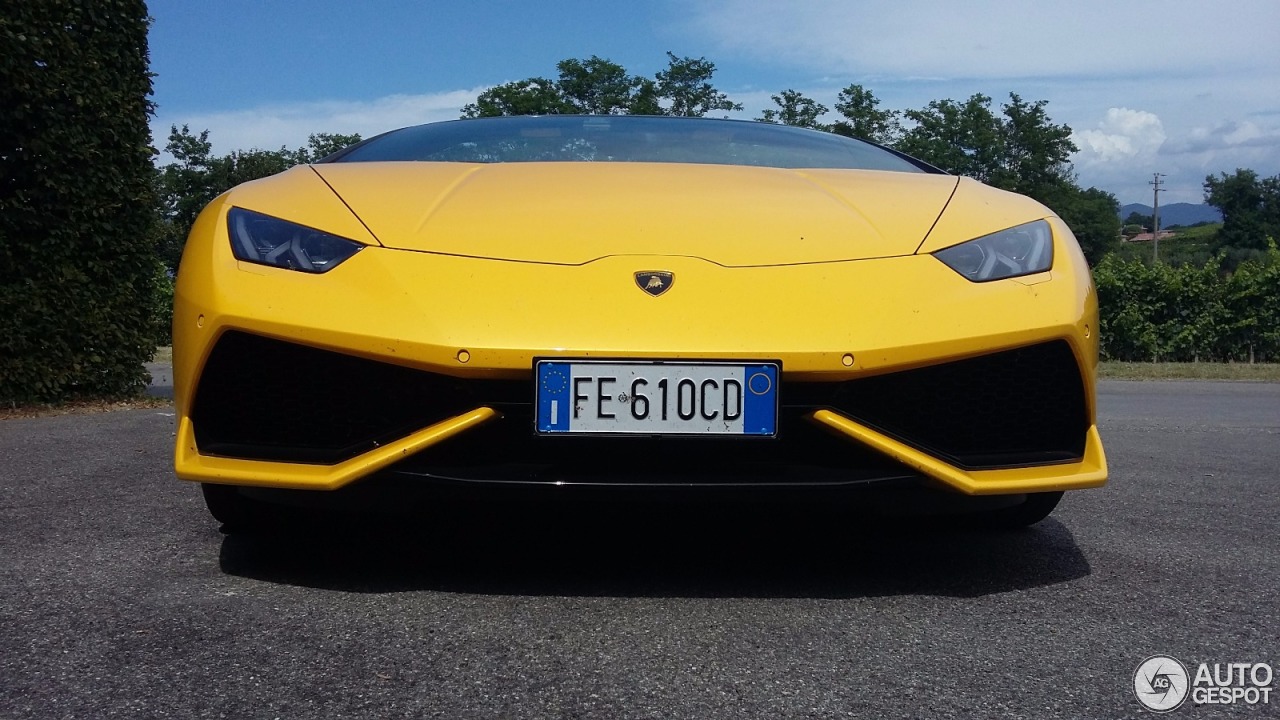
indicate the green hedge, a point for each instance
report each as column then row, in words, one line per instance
column 77, row 207
column 1163, row 312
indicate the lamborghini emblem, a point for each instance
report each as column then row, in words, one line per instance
column 655, row 282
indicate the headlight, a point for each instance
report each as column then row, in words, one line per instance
column 266, row 240
column 1020, row 250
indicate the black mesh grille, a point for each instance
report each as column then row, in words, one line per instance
column 265, row 399
column 270, row 400
column 1018, row 407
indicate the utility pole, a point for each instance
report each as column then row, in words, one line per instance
column 1155, row 216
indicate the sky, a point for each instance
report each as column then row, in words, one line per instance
column 1186, row 88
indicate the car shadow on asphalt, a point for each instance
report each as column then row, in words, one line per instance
column 653, row 551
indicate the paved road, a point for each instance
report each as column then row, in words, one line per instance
column 120, row 598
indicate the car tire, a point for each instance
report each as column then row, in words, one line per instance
column 230, row 507
column 1035, row 508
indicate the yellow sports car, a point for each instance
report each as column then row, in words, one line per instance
column 634, row 301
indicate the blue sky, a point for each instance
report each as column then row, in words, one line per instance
column 1178, row 87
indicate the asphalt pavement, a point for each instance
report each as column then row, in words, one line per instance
column 119, row 597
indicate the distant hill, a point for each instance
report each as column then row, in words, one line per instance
column 1176, row 213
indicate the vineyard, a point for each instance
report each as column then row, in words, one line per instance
column 1181, row 313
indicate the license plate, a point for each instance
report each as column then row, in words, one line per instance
column 657, row 398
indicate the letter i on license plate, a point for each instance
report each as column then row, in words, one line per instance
column 657, row 398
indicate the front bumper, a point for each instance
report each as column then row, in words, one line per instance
column 474, row 321
column 1010, row 421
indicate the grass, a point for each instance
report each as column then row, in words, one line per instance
column 1245, row 372
column 1188, row 245
column 82, row 407
column 1199, row 233
column 163, row 355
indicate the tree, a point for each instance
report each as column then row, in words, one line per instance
column 965, row 139
column 1092, row 216
column 863, row 117
column 534, row 96
column 686, row 86
column 183, row 188
column 77, row 262
column 1020, row 150
column 646, row 100
column 186, row 186
column 241, row 166
column 1137, row 218
column 322, row 145
column 1034, row 154
column 795, row 109
column 597, row 86
column 1250, row 208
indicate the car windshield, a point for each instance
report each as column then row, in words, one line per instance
column 612, row 138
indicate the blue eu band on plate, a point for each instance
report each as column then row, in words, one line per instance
column 658, row 398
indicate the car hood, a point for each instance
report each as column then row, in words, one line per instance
column 574, row 213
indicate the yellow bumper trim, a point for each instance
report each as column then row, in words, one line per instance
column 193, row 466
column 1091, row 471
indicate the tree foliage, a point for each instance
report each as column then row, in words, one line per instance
column 77, row 262
column 1019, row 149
column 795, row 109
column 961, row 138
column 1092, row 216
column 1035, row 154
column 534, row 96
column 597, row 86
column 1140, row 220
column 183, row 188
column 197, row 176
column 1250, row 208
column 686, row 87
column 863, row 118
column 321, row 145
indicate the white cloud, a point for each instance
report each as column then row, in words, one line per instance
column 1203, row 74
column 273, row 126
column 1127, row 146
column 1232, row 135
column 1122, row 135
column 914, row 39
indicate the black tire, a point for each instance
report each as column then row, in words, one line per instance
column 1035, row 508
column 231, row 508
